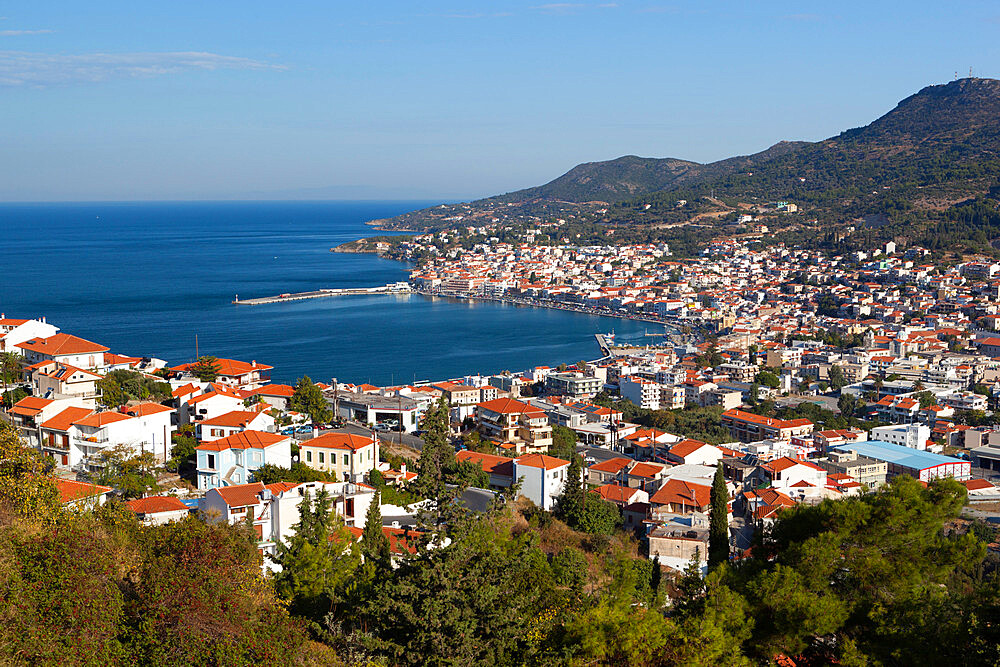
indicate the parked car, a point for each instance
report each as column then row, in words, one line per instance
column 382, row 428
column 305, row 428
column 288, row 430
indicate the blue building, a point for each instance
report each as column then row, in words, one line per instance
column 921, row 465
column 230, row 461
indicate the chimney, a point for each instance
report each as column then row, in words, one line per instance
column 402, row 469
column 254, row 363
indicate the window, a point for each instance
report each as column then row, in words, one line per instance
column 309, row 457
column 321, row 457
column 211, row 460
column 257, row 456
column 349, row 507
column 345, row 459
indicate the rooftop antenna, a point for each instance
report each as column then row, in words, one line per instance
column 970, row 71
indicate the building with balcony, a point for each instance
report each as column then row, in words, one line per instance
column 231, row 461
column 572, row 385
column 234, row 373
column 748, row 427
column 508, row 421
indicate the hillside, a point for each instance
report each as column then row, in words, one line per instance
column 908, row 171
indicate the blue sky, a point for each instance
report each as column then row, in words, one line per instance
column 392, row 99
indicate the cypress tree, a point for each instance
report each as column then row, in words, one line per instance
column 374, row 543
column 718, row 530
column 571, row 502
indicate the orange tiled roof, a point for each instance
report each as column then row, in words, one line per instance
column 61, row 344
column 541, row 461
column 339, row 441
column 244, row 440
column 66, row 418
column 155, row 504
column 70, row 490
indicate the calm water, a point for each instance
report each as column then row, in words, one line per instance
column 144, row 279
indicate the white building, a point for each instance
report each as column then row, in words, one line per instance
column 15, row 331
column 542, row 478
column 644, row 393
column 914, row 436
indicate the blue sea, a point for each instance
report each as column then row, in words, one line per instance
column 146, row 279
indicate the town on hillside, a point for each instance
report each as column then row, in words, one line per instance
column 800, row 376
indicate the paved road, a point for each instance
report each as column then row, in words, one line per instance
column 598, row 453
column 355, row 428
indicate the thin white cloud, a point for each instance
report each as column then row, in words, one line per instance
column 17, row 33
column 21, row 68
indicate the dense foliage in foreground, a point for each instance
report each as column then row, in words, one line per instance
column 886, row 579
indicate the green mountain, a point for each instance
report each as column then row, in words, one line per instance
column 629, row 176
column 918, row 167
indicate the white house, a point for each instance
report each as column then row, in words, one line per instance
column 786, row 473
column 273, row 510
column 158, row 510
column 156, row 423
column 914, row 436
column 231, row 461
column 64, row 349
column 234, row 422
column 695, row 452
column 216, row 400
column 542, row 478
column 15, row 331
column 51, row 379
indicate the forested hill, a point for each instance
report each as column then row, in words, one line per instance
column 629, row 176
column 935, row 148
column 917, row 167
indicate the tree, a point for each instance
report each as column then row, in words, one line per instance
column 767, row 379
column 10, row 369
column 718, row 517
column 206, row 368
column 25, row 485
column 437, row 455
column 299, row 472
column 182, row 454
column 121, row 386
column 128, row 472
column 308, row 398
column 563, row 443
column 374, row 543
column 599, row 517
column 317, row 561
column 848, row 405
column 836, row 376
column 570, row 504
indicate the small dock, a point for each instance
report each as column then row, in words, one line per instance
column 392, row 288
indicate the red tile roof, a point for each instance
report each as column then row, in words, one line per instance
column 29, row 406
column 244, row 440
column 340, row 441
column 229, row 367
column 616, row 493
column 614, row 466
column 241, row 495
column 541, row 461
column 70, row 490
column 65, row 419
column 61, row 344
column 146, row 409
column 102, row 419
column 488, row 462
column 680, row 492
column 236, row 418
column 156, row 504
column 506, row 406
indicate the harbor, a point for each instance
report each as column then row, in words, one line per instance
column 390, row 288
